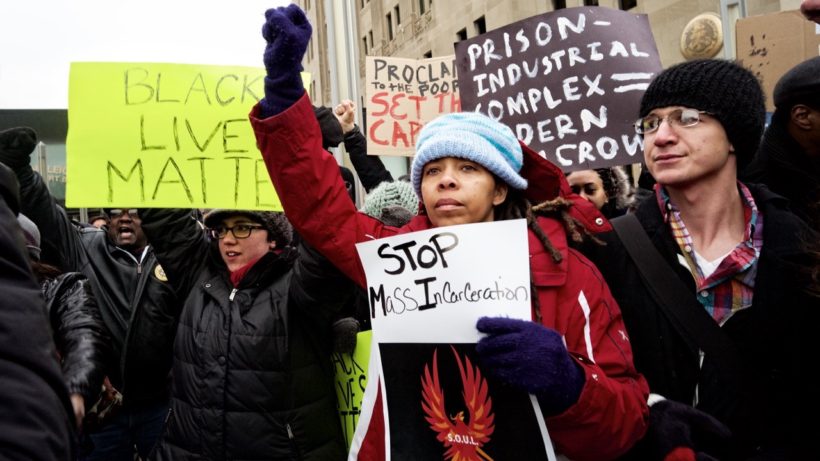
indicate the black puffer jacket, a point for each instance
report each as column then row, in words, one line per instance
column 142, row 340
column 252, row 372
column 79, row 333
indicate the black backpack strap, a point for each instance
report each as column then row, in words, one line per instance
column 678, row 302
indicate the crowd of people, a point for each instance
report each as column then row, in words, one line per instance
column 671, row 317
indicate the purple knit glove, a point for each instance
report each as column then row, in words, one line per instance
column 287, row 32
column 532, row 358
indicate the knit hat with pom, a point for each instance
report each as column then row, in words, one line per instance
column 471, row 136
column 724, row 89
column 390, row 193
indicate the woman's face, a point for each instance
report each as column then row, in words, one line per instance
column 459, row 191
column 238, row 252
column 588, row 185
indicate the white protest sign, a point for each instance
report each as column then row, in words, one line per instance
column 432, row 286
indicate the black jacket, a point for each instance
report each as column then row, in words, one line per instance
column 787, row 170
column 772, row 407
column 35, row 413
column 252, row 373
column 370, row 168
column 79, row 333
column 142, row 343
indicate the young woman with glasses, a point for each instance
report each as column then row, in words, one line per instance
column 252, row 377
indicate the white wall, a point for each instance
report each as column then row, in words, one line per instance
column 39, row 38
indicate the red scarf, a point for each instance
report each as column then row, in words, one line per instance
column 239, row 274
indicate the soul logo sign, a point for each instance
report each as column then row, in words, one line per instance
column 463, row 439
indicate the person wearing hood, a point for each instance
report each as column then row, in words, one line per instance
column 788, row 159
column 468, row 169
column 252, row 376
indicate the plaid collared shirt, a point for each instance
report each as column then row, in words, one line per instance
column 731, row 286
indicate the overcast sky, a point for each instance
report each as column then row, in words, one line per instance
column 39, row 38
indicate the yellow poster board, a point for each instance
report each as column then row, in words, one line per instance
column 165, row 135
column 351, row 379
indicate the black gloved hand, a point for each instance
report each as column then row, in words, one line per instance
column 287, row 32
column 344, row 335
column 332, row 134
column 679, row 432
column 16, row 146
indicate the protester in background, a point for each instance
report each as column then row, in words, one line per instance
column 98, row 221
column 36, row 417
column 466, row 170
column 136, row 302
column 735, row 250
column 76, row 325
column 608, row 188
column 252, row 371
column 338, row 125
column 788, row 160
column 811, row 10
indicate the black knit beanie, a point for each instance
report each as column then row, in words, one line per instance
column 723, row 88
column 277, row 225
column 800, row 85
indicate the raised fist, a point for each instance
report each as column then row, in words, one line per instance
column 346, row 112
column 287, row 32
column 16, row 146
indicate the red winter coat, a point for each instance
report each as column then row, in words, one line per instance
column 611, row 413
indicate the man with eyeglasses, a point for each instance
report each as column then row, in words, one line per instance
column 735, row 249
column 137, row 304
column 252, row 372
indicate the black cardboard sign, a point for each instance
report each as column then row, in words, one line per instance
column 568, row 83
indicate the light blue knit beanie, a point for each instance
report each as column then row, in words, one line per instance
column 471, row 136
column 390, row 193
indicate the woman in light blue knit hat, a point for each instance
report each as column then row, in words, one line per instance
column 574, row 356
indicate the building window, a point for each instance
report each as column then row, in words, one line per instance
column 590, row 2
column 398, row 14
column 389, row 26
column 370, row 37
column 461, row 35
column 428, row 55
column 422, row 7
column 628, row 4
column 559, row 4
column 364, row 42
column 480, row 26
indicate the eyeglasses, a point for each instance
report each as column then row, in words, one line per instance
column 116, row 212
column 676, row 118
column 240, row 231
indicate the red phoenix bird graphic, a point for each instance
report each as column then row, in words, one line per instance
column 463, row 439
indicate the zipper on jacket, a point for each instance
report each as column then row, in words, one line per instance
column 230, row 297
column 293, row 445
column 139, row 268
